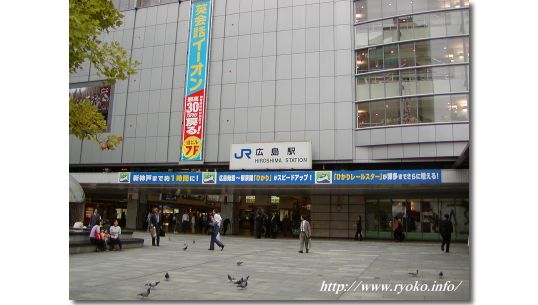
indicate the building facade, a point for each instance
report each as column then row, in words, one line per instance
column 378, row 85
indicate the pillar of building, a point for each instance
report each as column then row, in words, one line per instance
column 133, row 209
column 230, row 209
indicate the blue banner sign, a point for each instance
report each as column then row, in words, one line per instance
column 285, row 177
column 306, row 177
column 387, row 176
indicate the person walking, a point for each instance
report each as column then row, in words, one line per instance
column 268, row 230
column 259, row 225
column 446, row 229
column 275, row 223
column 156, row 223
column 304, row 234
column 115, row 232
column 193, row 224
column 215, row 223
column 185, row 222
column 358, row 232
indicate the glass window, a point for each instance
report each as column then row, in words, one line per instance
column 448, row 206
column 390, row 30
column 407, row 54
column 404, row 6
column 459, row 78
column 425, row 110
column 413, row 211
column 363, row 88
column 436, row 4
column 372, row 217
column 420, row 26
column 454, row 23
column 362, row 61
column 405, row 25
column 377, row 113
column 363, row 116
column 461, row 221
column 409, row 111
column 409, row 82
column 377, row 85
column 375, row 33
column 442, row 108
column 439, row 52
column 420, row 5
column 391, row 56
column 360, row 11
column 437, row 24
column 453, row 3
column 392, row 112
column 423, row 53
column 374, row 9
column 430, row 215
column 466, row 21
column 441, row 80
column 389, row 8
column 456, row 50
column 384, row 215
column 361, row 36
column 460, row 108
column 424, row 81
column 392, row 84
column 375, row 58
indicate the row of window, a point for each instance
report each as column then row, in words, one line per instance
column 124, row 5
column 430, row 25
column 417, row 214
column 418, row 53
column 426, row 109
column 429, row 80
column 376, row 9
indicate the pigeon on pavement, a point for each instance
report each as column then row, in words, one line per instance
column 231, row 278
column 441, row 274
column 239, row 263
column 153, row 285
column 185, row 248
column 166, row 276
column 243, row 285
column 413, row 273
column 239, row 281
column 145, row 294
column 193, row 241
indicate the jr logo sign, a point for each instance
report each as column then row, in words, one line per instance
column 244, row 152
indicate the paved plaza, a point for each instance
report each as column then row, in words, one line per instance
column 277, row 271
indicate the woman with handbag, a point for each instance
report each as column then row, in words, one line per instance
column 155, row 227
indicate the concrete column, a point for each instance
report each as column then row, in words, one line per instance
column 230, row 209
column 133, row 197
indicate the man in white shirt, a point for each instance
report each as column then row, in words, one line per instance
column 304, row 234
column 185, row 220
column 216, row 229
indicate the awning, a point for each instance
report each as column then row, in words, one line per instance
column 76, row 193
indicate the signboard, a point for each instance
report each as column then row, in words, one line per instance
column 196, row 82
column 387, row 176
column 286, row 177
column 279, row 155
